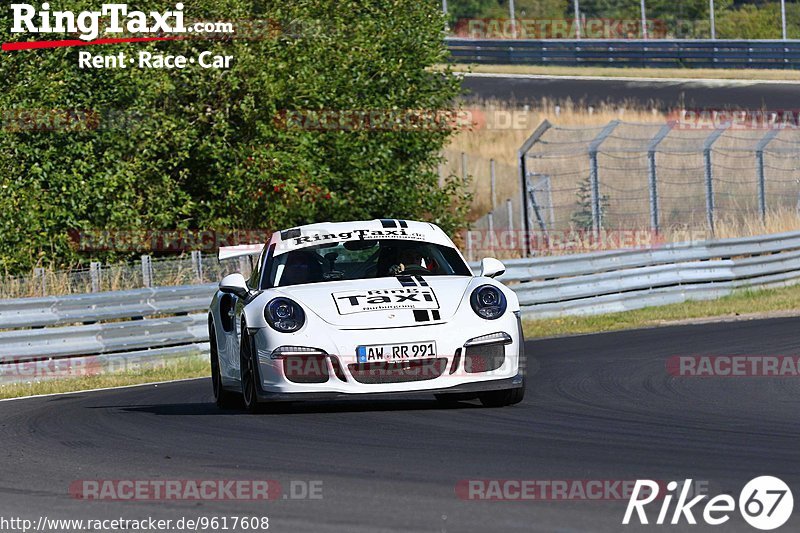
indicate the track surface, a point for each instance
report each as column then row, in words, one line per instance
column 659, row 94
column 599, row 407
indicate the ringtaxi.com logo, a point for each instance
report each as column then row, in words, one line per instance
column 765, row 503
column 110, row 19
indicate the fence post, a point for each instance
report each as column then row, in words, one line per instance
column 652, row 172
column 464, row 174
column 709, row 190
column 594, row 178
column 522, row 154
column 762, row 185
column 594, row 182
column 490, row 218
column 492, row 183
column 552, row 208
column 510, row 211
column 94, row 273
column 147, row 271
column 197, row 265
column 537, row 210
column 709, row 175
column 41, row 276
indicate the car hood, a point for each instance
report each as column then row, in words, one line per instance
column 383, row 302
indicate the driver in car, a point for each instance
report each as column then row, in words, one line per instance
column 407, row 258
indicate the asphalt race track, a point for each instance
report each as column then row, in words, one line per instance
column 598, row 407
column 661, row 94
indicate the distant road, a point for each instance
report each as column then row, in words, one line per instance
column 659, row 93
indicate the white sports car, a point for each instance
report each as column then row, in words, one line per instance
column 354, row 308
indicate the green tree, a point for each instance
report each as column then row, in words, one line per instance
column 582, row 218
column 460, row 9
column 759, row 22
column 206, row 148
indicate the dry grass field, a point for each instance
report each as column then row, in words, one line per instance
column 482, row 144
column 610, row 72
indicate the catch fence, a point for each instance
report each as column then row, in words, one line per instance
column 663, row 178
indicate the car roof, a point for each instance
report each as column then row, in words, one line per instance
column 313, row 234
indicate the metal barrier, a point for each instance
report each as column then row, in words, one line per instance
column 24, row 345
column 614, row 281
column 101, row 332
column 629, row 53
column 592, row 283
column 57, row 310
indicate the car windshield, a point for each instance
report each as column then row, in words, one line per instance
column 364, row 259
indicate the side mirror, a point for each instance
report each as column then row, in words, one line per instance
column 491, row 267
column 234, row 284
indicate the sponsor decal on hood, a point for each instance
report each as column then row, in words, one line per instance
column 361, row 301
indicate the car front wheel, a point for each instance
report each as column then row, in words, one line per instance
column 502, row 398
column 223, row 398
column 249, row 373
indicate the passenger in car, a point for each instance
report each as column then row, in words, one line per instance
column 301, row 267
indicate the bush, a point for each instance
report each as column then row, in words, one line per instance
column 205, row 148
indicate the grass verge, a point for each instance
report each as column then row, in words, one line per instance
column 751, row 303
column 612, row 72
column 182, row 368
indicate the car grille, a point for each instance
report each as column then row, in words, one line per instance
column 401, row 372
column 305, row 368
column 484, row 358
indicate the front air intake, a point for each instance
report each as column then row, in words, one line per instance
column 305, row 368
column 484, row 358
column 402, row 372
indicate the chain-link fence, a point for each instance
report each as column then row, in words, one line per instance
column 195, row 267
column 660, row 177
column 670, row 180
column 496, row 206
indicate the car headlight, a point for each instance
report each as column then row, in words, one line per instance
column 284, row 315
column 488, row 302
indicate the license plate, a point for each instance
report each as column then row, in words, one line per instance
column 396, row 352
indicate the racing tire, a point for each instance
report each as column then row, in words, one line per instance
column 503, row 397
column 452, row 398
column 223, row 398
column 249, row 373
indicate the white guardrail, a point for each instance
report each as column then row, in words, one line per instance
column 72, row 335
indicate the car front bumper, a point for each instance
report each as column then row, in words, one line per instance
column 342, row 378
